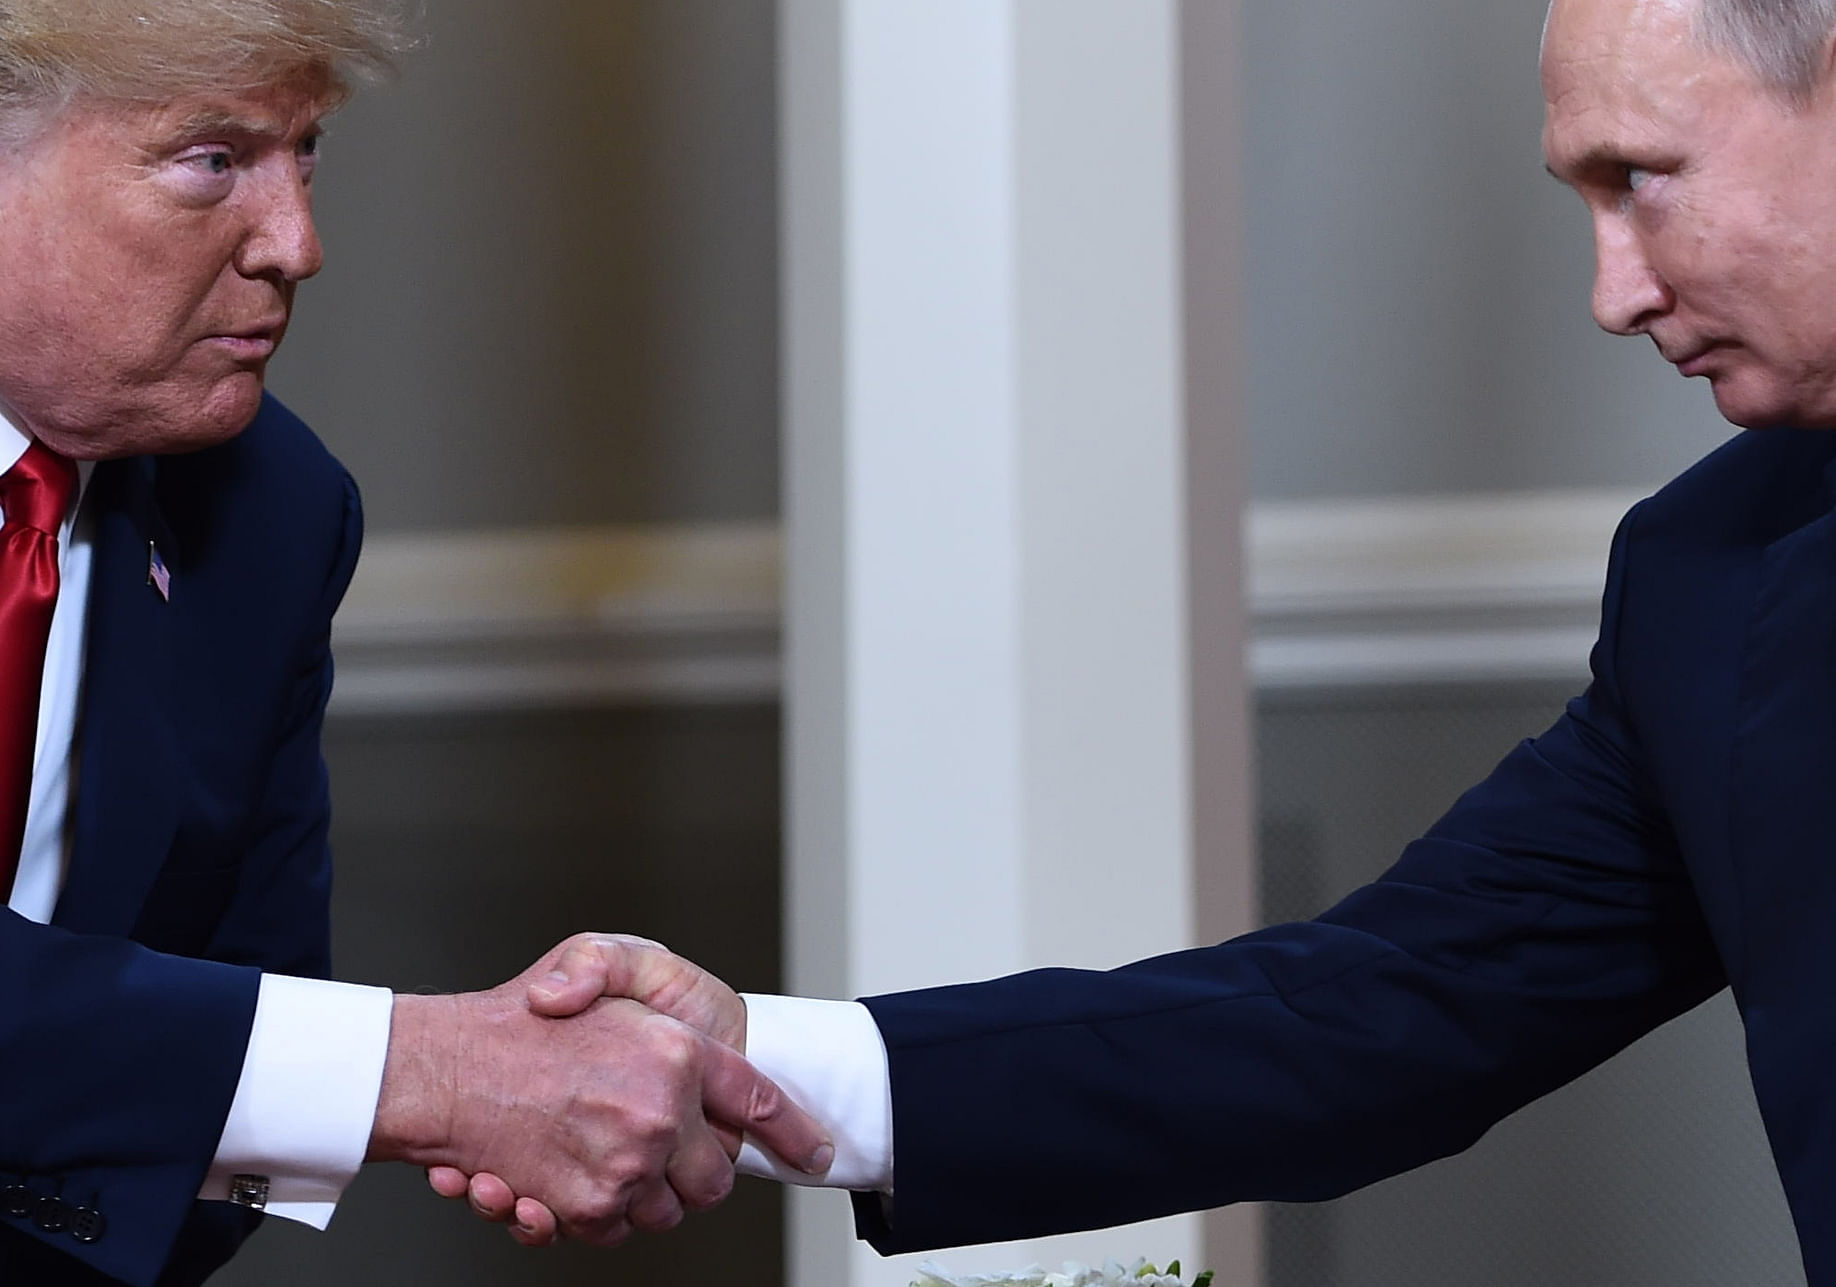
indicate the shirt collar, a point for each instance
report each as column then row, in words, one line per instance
column 13, row 444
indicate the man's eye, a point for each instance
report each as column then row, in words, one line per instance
column 1637, row 178
column 211, row 161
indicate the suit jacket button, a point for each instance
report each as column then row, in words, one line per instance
column 87, row 1224
column 51, row 1215
column 17, row 1201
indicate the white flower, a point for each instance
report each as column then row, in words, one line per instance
column 1140, row 1274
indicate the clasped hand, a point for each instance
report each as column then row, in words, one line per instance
column 606, row 1114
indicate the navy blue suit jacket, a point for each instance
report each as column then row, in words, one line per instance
column 1673, row 833
column 199, row 855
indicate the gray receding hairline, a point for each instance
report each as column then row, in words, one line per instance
column 1784, row 43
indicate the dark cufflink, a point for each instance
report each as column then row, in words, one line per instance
column 52, row 1215
column 87, row 1224
column 249, row 1191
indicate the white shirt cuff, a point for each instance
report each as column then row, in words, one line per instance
column 828, row 1056
column 307, row 1098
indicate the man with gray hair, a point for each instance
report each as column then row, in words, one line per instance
column 1671, row 835
column 173, row 546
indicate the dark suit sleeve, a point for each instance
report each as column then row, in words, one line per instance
column 1539, row 927
column 133, row 1133
column 127, row 1125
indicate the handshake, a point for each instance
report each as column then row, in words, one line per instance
column 602, row 1091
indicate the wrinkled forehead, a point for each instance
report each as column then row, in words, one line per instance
column 1624, row 76
column 1589, row 42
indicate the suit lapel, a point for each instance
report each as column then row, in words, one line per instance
column 127, row 797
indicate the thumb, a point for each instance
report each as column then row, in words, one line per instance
column 594, row 965
column 578, row 977
column 737, row 1095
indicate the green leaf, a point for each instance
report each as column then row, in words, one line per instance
column 1203, row 1280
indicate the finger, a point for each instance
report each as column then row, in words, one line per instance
column 447, row 1182
column 578, row 978
column 700, row 1172
column 491, row 1197
column 608, row 1233
column 646, row 971
column 535, row 1225
column 594, row 965
column 655, row 1209
column 736, row 1093
column 641, row 968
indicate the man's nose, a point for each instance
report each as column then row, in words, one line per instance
column 1629, row 293
column 283, row 240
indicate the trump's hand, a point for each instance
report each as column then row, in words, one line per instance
column 602, row 1118
column 583, row 971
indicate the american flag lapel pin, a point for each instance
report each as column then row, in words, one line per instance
column 158, row 576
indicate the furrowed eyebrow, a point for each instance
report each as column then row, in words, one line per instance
column 207, row 122
column 1602, row 163
column 220, row 122
column 1595, row 163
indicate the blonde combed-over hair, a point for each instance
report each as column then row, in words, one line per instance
column 55, row 51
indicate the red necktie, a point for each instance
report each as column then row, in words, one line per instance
column 34, row 495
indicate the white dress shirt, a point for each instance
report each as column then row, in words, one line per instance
column 307, row 1094
column 828, row 1056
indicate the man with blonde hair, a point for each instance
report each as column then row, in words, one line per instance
column 1674, row 833
column 174, row 544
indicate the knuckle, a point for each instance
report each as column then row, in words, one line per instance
column 764, row 1101
column 608, row 1198
column 677, row 1048
column 648, row 1128
column 592, row 1203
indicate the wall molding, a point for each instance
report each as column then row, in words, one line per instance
column 1342, row 594
column 1428, row 589
column 518, row 619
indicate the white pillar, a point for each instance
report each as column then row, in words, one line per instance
column 994, row 704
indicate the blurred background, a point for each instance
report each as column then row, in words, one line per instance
column 599, row 336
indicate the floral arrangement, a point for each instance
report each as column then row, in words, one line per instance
column 1140, row 1274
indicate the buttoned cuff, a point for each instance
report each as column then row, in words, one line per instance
column 306, row 1102
column 828, row 1056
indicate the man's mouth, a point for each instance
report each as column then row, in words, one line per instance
column 250, row 343
column 1695, row 360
